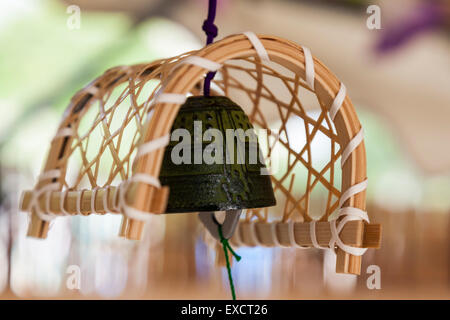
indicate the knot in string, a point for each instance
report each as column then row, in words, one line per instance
column 210, row 29
column 226, row 246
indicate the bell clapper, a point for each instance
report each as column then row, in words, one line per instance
column 228, row 226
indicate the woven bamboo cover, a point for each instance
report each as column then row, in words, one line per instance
column 93, row 154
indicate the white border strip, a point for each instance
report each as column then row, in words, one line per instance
column 309, row 67
column 258, row 46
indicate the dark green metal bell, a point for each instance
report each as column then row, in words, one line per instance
column 199, row 184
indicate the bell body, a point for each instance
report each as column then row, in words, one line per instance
column 214, row 162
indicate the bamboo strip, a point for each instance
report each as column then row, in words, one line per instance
column 70, row 202
column 350, row 234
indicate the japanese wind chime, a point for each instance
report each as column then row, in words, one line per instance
column 117, row 149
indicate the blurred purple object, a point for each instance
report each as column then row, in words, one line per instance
column 428, row 15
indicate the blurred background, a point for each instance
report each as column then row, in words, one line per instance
column 398, row 77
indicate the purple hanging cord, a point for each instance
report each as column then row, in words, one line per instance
column 211, row 32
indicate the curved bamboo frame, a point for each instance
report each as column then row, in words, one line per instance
column 184, row 79
column 285, row 53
